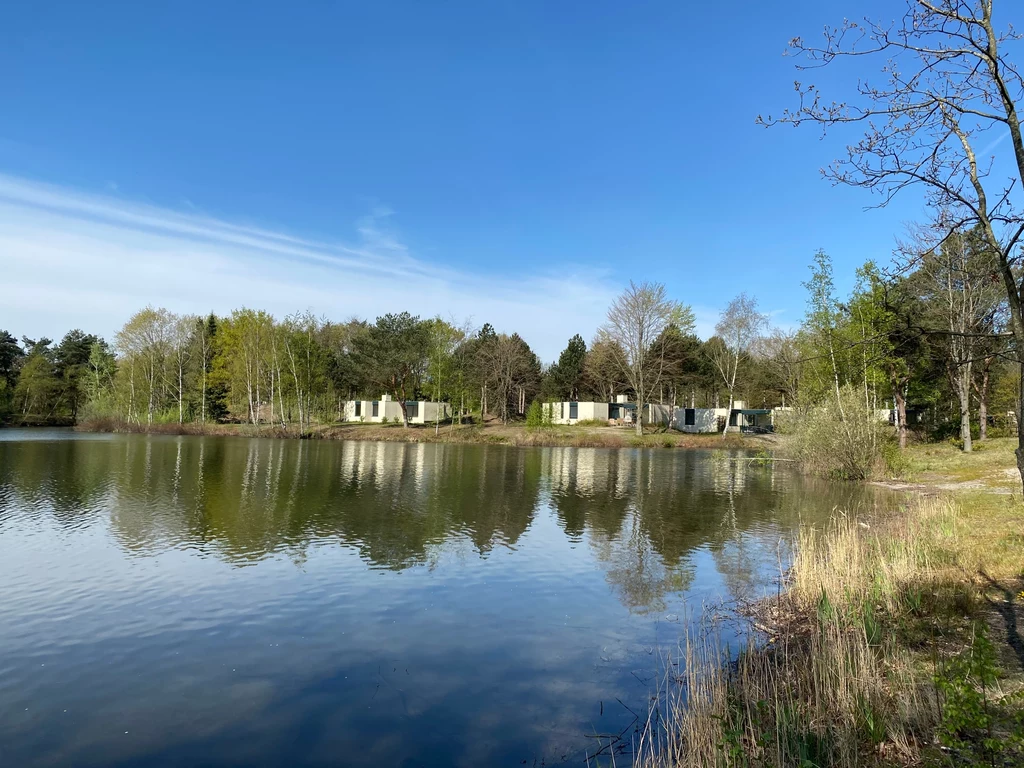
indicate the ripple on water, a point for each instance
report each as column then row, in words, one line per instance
column 223, row 600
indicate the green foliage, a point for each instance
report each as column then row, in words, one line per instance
column 896, row 462
column 871, row 720
column 38, row 386
column 392, row 354
column 445, row 377
column 10, row 353
column 567, row 374
column 535, row 414
column 965, row 683
column 841, row 440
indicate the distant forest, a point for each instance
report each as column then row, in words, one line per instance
column 931, row 340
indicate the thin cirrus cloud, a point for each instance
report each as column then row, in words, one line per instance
column 76, row 259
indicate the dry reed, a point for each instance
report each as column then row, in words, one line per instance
column 830, row 676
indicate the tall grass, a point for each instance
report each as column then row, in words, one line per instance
column 846, row 668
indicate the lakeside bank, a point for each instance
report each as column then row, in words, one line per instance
column 897, row 639
column 490, row 433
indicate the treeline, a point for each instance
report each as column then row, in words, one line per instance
column 930, row 340
column 928, row 343
column 249, row 366
column 299, row 371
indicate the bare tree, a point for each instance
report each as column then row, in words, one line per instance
column 947, row 100
column 780, row 355
column 956, row 281
column 601, row 370
column 180, row 331
column 636, row 324
column 739, row 327
column 510, row 368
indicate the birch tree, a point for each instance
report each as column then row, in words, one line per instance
column 245, row 353
column 445, row 339
column 636, row 322
column 934, row 124
column 739, row 327
column 957, row 285
column 204, row 333
column 144, row 345
column 602, row 370
column 180, row 331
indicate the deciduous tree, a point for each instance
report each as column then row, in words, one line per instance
column 948, row 89
column 636, row 322
column 393, row 356
column 739, row 327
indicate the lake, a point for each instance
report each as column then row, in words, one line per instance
column 170, row 601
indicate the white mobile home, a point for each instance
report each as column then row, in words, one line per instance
column 573, row 412
column 739, row 419
column 388, row 410
column 701, row 420
column 691, row 420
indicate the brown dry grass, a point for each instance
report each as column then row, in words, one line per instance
column 491, row 433
column 845, row 667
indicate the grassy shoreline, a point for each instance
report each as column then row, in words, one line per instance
column 490, row 433
column 898, row 640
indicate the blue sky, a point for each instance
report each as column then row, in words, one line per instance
column 515, row 163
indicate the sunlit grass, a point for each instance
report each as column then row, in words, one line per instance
column 991, row 463
column 862, row 661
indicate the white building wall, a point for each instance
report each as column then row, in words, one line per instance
column 389, row 410
column 655, row 413
column 349, row 411
column 558, row 413
column 429, row 412
column 705, row 420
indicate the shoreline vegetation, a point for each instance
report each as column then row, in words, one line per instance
column 491, row 432
column 895, row 639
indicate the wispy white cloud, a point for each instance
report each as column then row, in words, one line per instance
column 76, row 259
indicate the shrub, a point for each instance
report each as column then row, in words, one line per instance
column 841, row 440
column 535, row 414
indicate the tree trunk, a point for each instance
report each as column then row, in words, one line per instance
column 960, row 379
column 272, row 388
column 280, row 399
column 405, row 411
column 901, row 414
column 965, row 418
column 982, row 391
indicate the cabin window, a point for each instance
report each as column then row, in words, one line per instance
column 732, row 418
column 613, row 411
column 561, row 410
column 412, row 410
column 574, row 410
column 375, row 406
column 359, row 408
column 690, row 417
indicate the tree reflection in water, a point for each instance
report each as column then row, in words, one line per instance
column 646, row 514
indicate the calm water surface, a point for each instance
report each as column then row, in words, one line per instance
column 228, row 601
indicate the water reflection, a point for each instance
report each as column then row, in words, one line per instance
column 396, row 503
column 233, row 601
